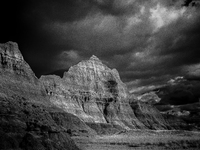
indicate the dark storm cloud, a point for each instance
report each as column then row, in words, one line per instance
column 173, row 54
column 104, row 34
column 180, row 43
column 147, row 41
column 117, row 7
column 63, row 10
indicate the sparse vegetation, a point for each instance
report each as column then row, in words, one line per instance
column 138, row 139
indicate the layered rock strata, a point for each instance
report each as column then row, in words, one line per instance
column 25, row 125
column 16, row 76
column 94, row 93
column 90, row 90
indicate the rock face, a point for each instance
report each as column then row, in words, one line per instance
column 25, row 125
column 17, row 76
column 28, row 120
column 94, row 93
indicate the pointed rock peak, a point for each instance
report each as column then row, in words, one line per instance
column 94, row 58
column 11, row 50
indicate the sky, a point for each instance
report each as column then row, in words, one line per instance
column 149, row 42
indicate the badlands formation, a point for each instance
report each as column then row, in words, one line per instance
column 90, row 99
column 95, row 93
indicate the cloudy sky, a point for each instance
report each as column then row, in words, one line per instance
column 147, row 41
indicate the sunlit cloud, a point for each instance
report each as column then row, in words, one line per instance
column 192, row 70
column 162, row 16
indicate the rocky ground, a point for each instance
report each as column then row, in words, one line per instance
column 141, row 140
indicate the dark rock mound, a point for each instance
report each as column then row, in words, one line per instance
column 149, row 115
column 30, row 126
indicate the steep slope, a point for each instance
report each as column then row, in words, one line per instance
column 17, row 76
column 25, row 125
column 149, row 115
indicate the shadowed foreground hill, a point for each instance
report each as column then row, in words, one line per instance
column 31, row 126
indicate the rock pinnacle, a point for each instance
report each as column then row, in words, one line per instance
column 94, row 58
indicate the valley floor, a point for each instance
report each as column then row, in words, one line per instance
column 141, row 140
